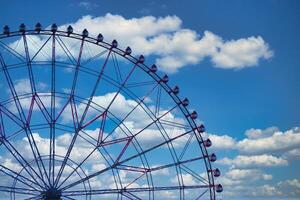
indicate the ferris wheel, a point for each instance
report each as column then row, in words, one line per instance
column 81, row 118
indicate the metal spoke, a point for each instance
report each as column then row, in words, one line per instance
column 18, row 177
column 13, row 52
column 40, row 49
column 33, row 90
column 53, row 105
column 18, row 190
column 133, row 190
column 22, row 117
column 66, row 50
column 74, row 114
column 130, row 158
column 80, row 126
column 21, row 160
column 35, row 197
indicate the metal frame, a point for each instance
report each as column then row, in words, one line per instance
column 42, row 182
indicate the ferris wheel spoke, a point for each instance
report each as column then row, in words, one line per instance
column 157, row 105
column 66, row 50
column 136, row 179
column 131, row 111
column 14, row 134
column 121, row 86
column 53, row 111
column 194, row 174
column 42, row 107
column 86, row 109
column 136, row 197
column 67, row 197
column 201, row 195
column 94, row 57
column 18, row 177
column 134, row 190
column 13, row 52
column 186, row 146
column 19, row 157
column 40, row 49
column 174, row 124
column 36, row 197
column 95, row 148
column 117, row 67
column 116, row 164
column 29, row 67
column 74, row 113
column 91, row 96
column 176, row 163
column 130, row 196
column 33, row 90
column 78, row 61
column 69, row 150
column 28, row 135
column 77, row 167
column 19, row 190
column 12, row 116
column 12, row 89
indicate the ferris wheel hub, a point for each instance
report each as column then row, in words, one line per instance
column 52, row 194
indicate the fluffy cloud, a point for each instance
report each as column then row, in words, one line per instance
column 254, row 161
column 292, row 154
column 221, row 141
column 242, row 53
column 290, row 187
column 276, row 142
column 261, row 141
column 248, row 174
column 249, row 183
column 22, row 86
column 262, row 148
column 165, row 38
column 261, row 133
column 174, row 46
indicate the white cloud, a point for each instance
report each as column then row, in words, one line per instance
column 247, row 174
column 277, row 142
column 165, row 38
column 286, row 188
column 174, row 46
column 293, row 182
column 261, row 141
column 187, row 179
column 292, row 154
column 253, row 161
column 266, row 190
column 250, row 183
column 87, row 5
column 221, row 141
column 261, row 133
column 242, row 53
column 22, row 86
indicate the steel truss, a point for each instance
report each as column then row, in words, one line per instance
column 54, row 175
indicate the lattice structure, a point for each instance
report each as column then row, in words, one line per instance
column 81, row 118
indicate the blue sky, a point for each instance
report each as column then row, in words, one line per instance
column 229, row 100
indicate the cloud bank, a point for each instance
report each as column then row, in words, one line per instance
column 174, row 46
